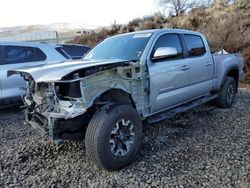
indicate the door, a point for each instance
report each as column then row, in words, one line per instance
column 168, row 76
column 200, row 65
column 1, row 62
column 16, row 57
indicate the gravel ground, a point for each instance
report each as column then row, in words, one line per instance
column 204, row 147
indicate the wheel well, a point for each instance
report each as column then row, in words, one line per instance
column 234, row 73
column 115, row 96
column 108, row 97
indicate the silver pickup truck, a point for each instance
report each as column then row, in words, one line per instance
column 145, row 76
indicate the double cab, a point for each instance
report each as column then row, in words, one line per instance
column 126, row 80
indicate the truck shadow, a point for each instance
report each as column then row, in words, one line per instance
column 181, row 139
column 6, row 110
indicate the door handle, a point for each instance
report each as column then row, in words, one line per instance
column 208, row 64
column 184, row 68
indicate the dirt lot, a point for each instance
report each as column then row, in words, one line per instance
column 204, row 147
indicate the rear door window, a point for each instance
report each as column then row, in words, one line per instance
column 195, row 45
column 23, row 54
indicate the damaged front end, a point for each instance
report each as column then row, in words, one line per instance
column 55, row 109
column 61, row 105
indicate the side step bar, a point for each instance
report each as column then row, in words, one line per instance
column 182, row 108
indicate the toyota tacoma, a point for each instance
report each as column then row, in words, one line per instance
column 145, row 76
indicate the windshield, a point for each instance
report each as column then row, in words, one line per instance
column 127, row 47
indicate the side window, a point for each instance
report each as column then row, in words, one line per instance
column 62, row 52
column 195, row 45
column 39, row 55
column 23, row 54
column 169, row 40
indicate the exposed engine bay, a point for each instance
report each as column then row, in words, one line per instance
column 62, row 107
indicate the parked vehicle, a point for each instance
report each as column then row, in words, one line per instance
column 20, row 54
column 125, row 80
column 75, row 51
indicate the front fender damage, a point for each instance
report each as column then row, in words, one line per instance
column 54, row 105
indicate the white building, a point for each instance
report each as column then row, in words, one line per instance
column 43, row 36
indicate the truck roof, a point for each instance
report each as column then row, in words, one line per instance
column 169, row 30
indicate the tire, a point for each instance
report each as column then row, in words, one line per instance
column 227, row 93
column 105, row 141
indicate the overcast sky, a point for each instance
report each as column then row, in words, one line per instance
column 93, row 12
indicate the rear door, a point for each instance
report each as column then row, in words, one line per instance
column 168, row 77
column 16, row 57
column 200, row 64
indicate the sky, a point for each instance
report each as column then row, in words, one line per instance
column 92, row 12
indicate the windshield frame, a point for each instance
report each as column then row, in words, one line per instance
column 146, row 35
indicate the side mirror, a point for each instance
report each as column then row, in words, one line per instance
column 164, row 52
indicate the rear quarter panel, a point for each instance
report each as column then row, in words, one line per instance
column 223, row 64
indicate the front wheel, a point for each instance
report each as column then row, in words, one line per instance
column 227, row 93
column 114, row 136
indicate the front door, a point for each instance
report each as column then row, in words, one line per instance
column 168, row 77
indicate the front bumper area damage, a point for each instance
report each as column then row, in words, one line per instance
column 56, row 129
column 56, row 116
column 63, row 106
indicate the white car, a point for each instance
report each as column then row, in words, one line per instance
column 22, row 54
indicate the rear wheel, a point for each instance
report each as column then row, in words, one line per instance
column 113, row 136
column 227, row 93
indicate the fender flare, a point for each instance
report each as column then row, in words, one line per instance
column 229, row 69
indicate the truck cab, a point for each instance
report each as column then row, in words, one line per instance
column 188, row 69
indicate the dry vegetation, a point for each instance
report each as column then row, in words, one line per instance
column 226, row 27
column 150, row 22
